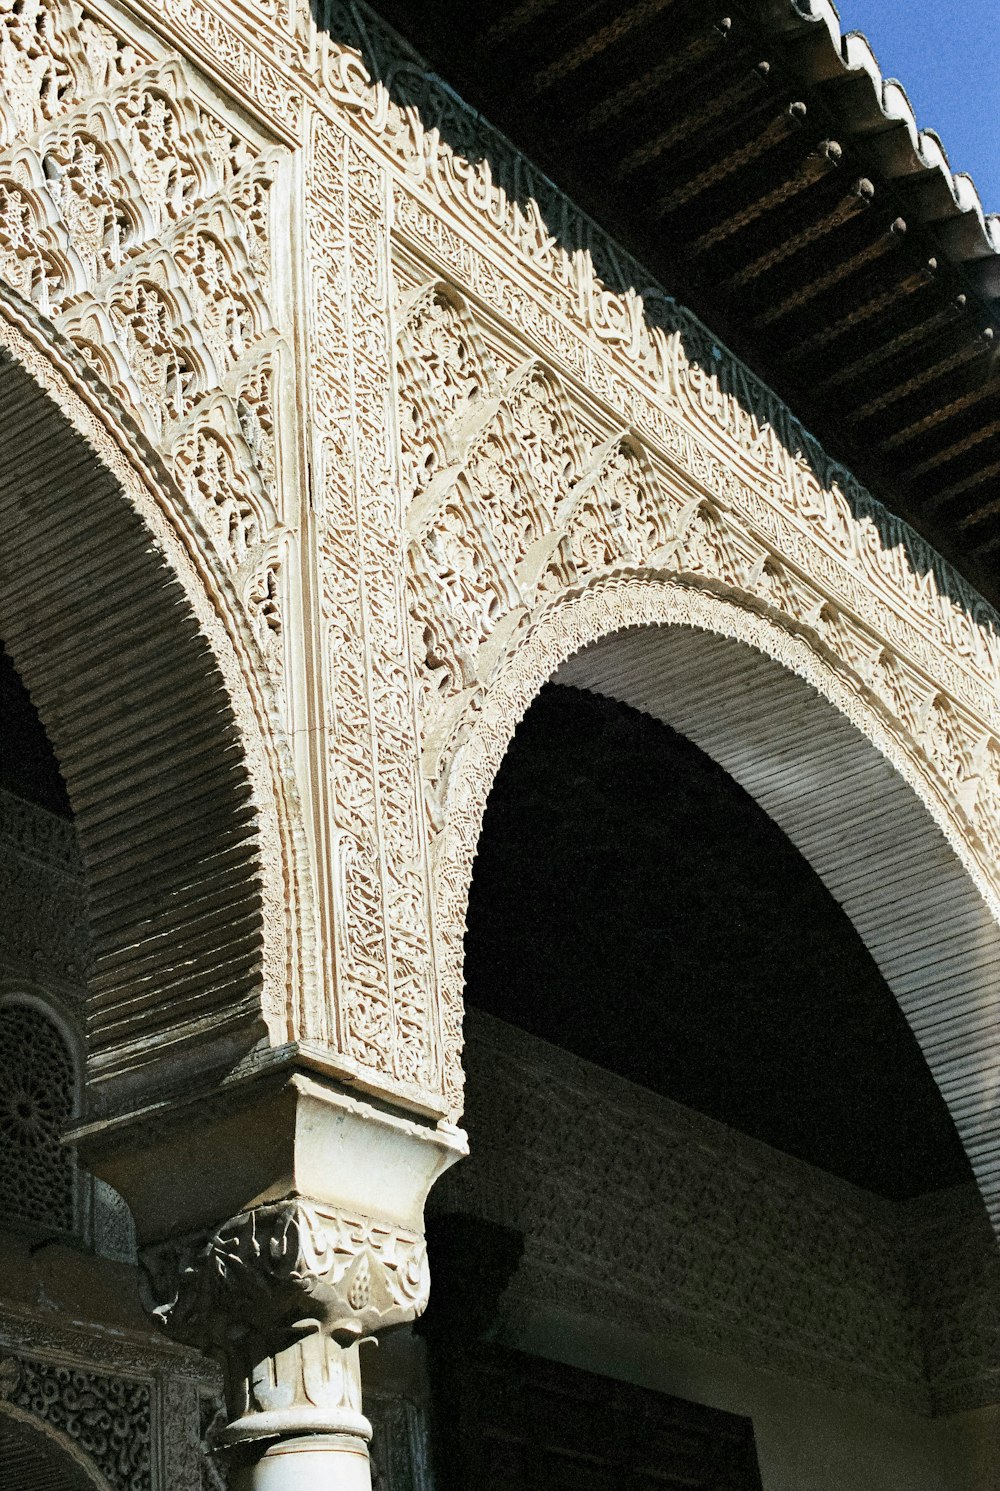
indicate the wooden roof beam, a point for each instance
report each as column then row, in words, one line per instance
column 986, row 551
column 961, row 357
column 519, row 19
column 939, row 414
column 858, row 317
column 857, row 199
column 608, row 36
column 718, row 105
column 980, row 515
column 946, row 496
column 846, row 268
column 773, row 133
column 702, row 45
column 826, row 157
column 951, row 452
column 901, row 322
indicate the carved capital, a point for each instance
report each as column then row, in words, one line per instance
column 285, row 1293
column 350, row 1274
column 280, row 1222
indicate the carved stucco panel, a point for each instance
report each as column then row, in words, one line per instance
column 529, row 511
column 732, row 436
column 384, row 962
column 130, row 1406
column 139, row 218
column 466, row 190
column 666, row 483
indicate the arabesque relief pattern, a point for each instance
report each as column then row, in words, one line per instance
column 138, row 221
column 553, row 422
column 382, row 939
column 555, row 433
column 522, row 490
column 107, row 1418
column 132, row 1406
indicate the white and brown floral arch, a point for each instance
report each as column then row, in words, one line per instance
column 540, row 522
column 144, row 670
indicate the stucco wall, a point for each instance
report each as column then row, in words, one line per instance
column 663, row 1248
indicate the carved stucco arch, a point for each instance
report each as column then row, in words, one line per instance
column 583, row 638
column 146, row 678
column 28, row 1445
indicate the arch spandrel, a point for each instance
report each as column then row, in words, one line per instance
column 143, row 672
column 669, row 456
column 700, row 510
column 803, row 735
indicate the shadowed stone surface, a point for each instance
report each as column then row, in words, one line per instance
column 624, row 881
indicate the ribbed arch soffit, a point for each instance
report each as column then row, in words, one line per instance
column 857, row 822
column 128, row 658
column 38, row 1458
column 866, row 815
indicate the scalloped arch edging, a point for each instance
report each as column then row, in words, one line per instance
column 961, row 1051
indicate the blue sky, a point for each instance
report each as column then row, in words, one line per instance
column 946, row 53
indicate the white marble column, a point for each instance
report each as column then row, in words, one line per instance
column 325, row 1252
column 316, row 1462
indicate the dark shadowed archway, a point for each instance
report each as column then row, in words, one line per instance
column 625, row 882
column 115, row 636
column 851, row 790
column 36, row 1457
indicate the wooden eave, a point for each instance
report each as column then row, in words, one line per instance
column 760, row 166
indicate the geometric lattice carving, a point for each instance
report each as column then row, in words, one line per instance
column 37, row 1175
column 108, row 1418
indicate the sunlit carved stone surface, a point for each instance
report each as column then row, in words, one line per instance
column 329, row 431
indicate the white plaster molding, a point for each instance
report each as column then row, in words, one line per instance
column 614, row 605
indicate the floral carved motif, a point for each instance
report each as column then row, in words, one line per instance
column 504, row 523
column 545, row 428
column 384, row 956
column 140, row 222
column 286, row 1292
column 357, row 1274
column 107, row 1418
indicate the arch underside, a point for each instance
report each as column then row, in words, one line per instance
column 860, row 825
column 34, row 1458
column 102, row 630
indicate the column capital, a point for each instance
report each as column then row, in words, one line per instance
column 353, row 1274
column 281, row 1224
column 285, row 1292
